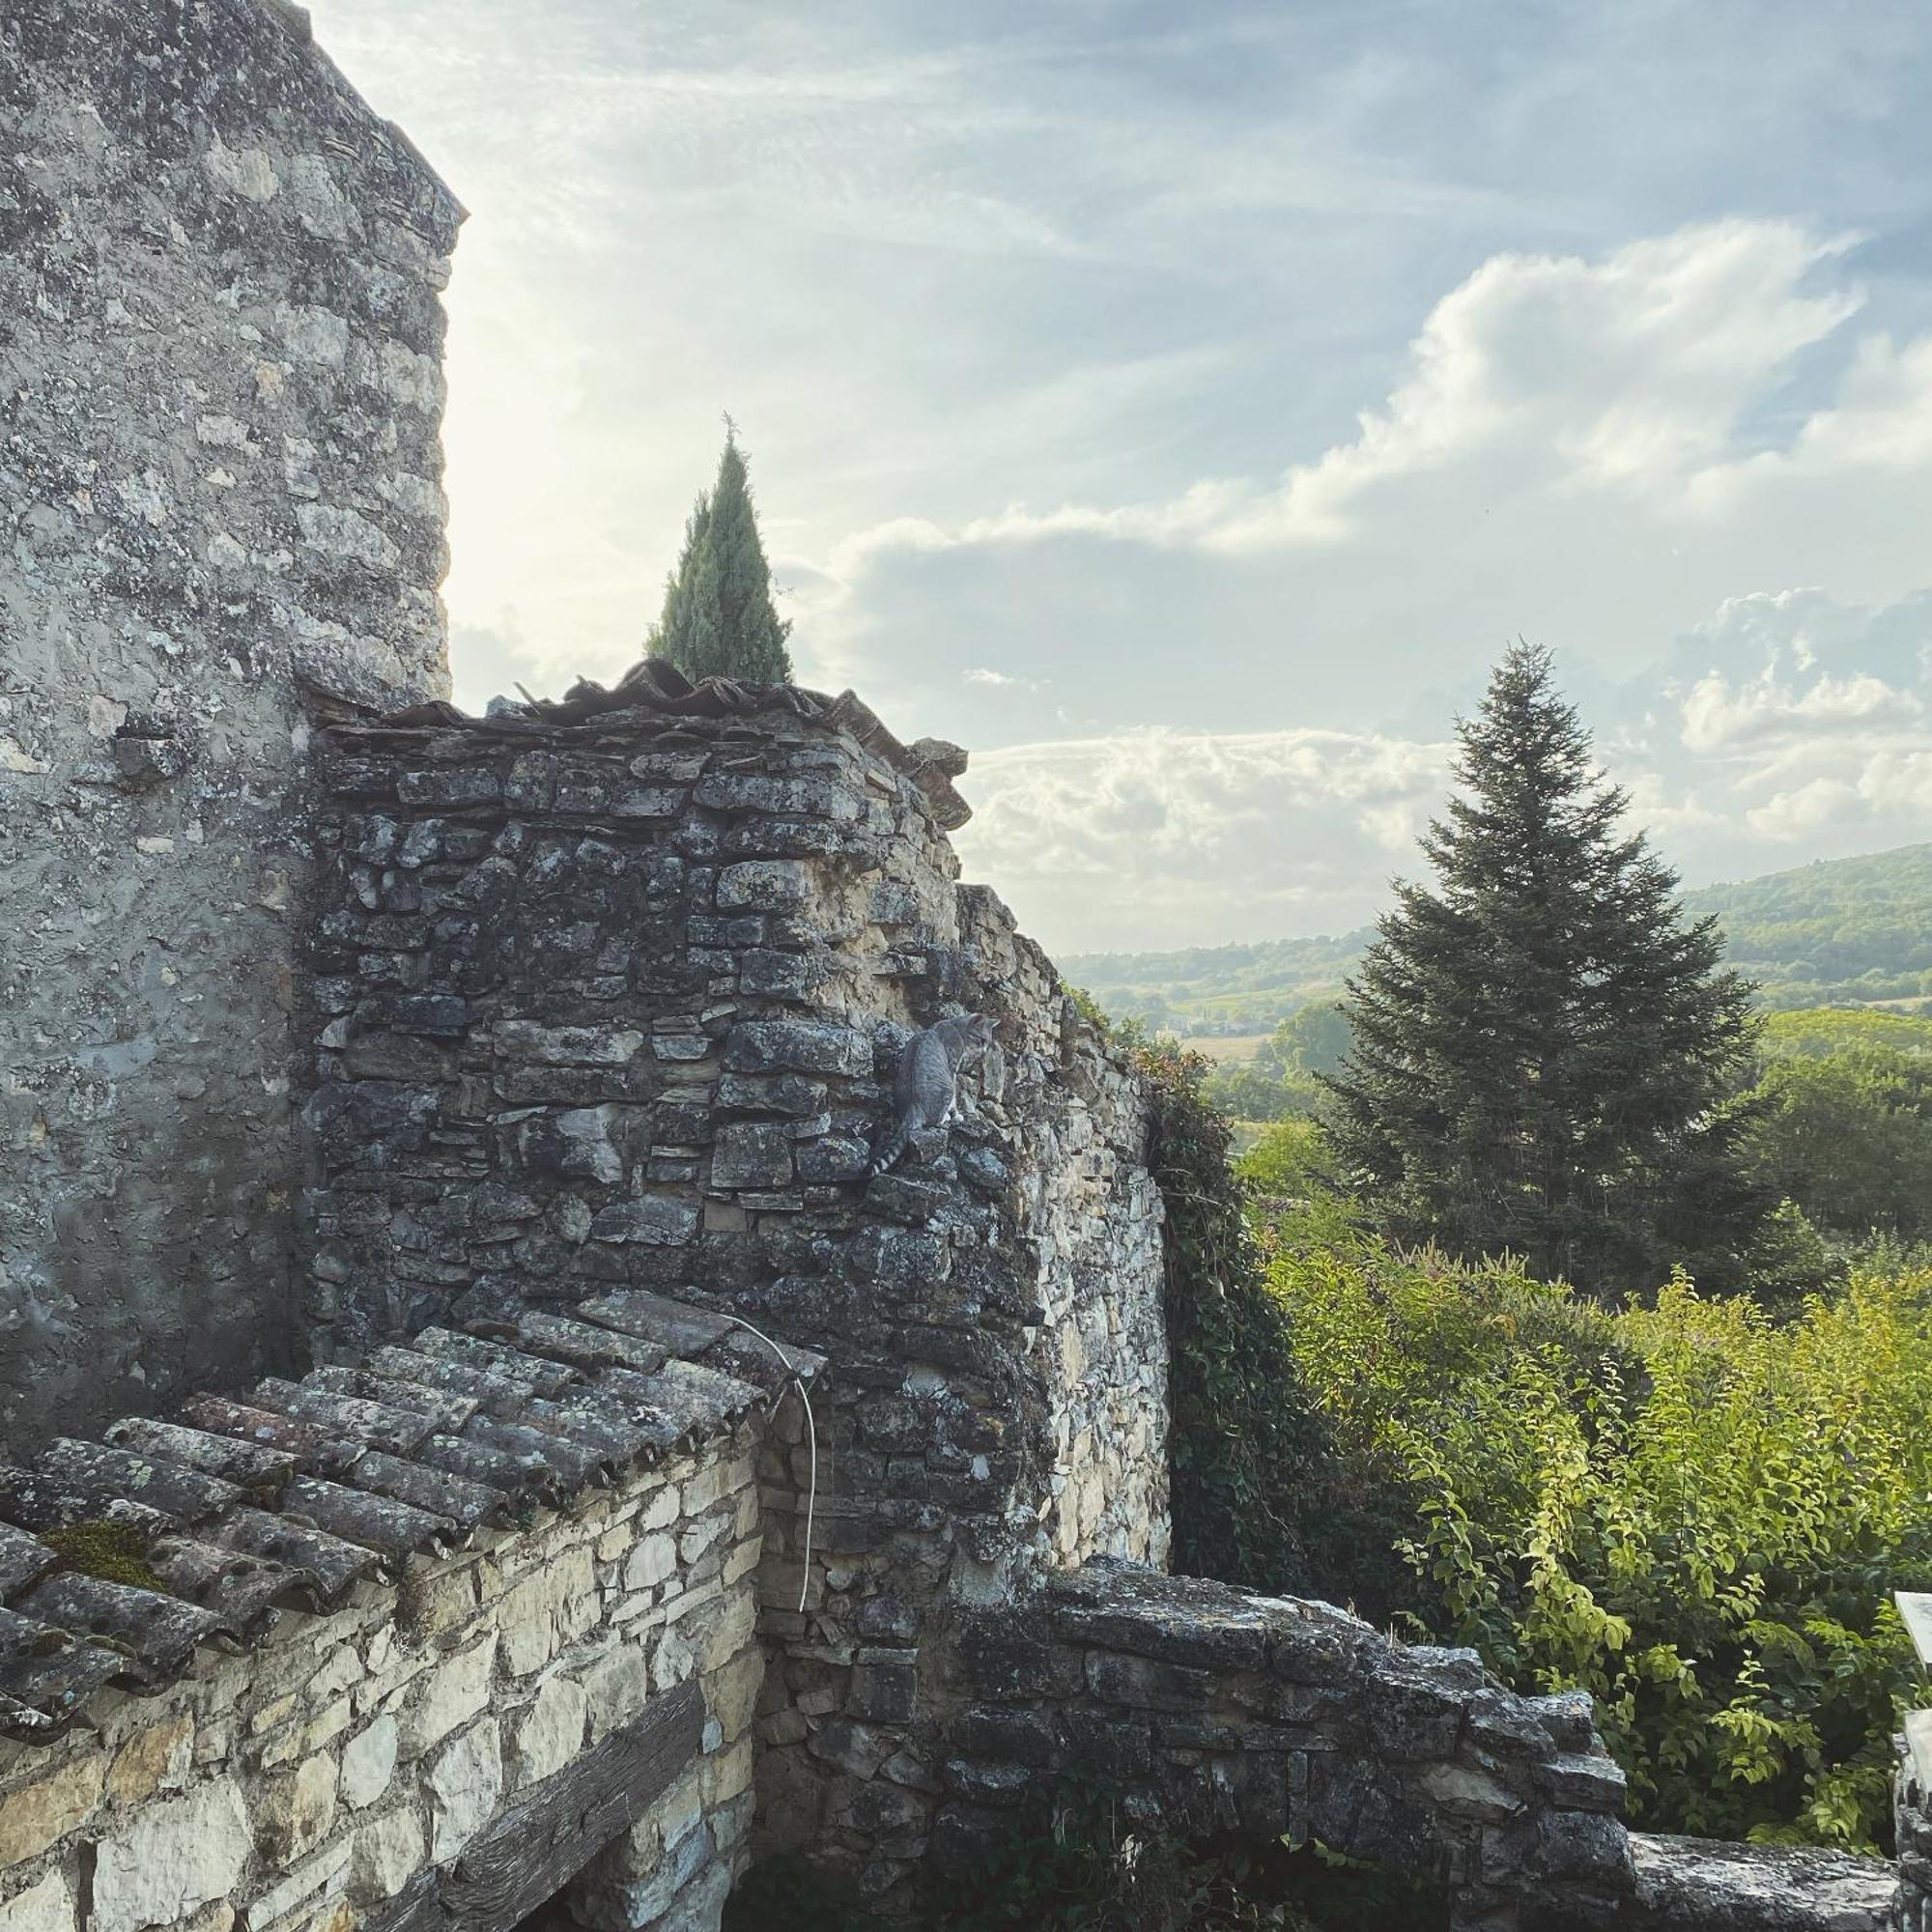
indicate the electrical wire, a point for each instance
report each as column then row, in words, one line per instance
column 811, row 1436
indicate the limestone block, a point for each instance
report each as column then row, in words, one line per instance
column 655, row 1558
column 617, row 1685
column 37, row 1815
column 308, row 1886
column 369, row 1762
column 296, row 1811
column 557, row 1600
column 386, row 1853
column 151, row 1759
column 450, row 1694
column 550, row 1733
column 169, row 1857
column 731, row 1692
column 46, row 1906
column 465, row 1783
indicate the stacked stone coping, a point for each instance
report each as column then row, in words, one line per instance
column 615, row 997
column 581, row 1534
column 1218, row 1714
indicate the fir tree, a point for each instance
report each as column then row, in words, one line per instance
column 1547, row 1056
column 717, row 619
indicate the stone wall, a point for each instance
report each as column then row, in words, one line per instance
column 534, row 1680
column 219, row 475
column 1219, row 1715
column 615, row 992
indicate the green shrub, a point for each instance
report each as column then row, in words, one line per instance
column 1244, row 1451
column 1692, row 1512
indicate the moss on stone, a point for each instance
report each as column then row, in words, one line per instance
column 116, row 1553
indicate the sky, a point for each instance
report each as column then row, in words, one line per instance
column 1183, row 406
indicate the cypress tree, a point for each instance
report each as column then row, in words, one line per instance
column 717, row 619
column 1547, row 1056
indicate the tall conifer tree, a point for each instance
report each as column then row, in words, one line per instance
column 717, row 618
column 1546, row 1054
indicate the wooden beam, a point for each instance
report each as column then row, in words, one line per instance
column 541, row 1842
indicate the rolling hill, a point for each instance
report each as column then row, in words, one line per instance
column 1837, row 932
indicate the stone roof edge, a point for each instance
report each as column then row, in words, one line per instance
column 294, row 20
column 290, row 1495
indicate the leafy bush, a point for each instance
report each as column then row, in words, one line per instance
column 1692, row 1512
column 1242, row 1446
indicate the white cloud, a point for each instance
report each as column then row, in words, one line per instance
column 1238, row 831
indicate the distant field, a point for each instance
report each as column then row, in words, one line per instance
column 1229, row 1045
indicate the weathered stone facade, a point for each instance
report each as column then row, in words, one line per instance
column 526, row 1668
column 220, row 392
column 616, row 999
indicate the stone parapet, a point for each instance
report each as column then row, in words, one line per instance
column 1218, row 1716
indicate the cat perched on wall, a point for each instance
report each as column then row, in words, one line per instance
column 925, row 1088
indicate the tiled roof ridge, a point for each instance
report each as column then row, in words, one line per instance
column 658, row 688
column 289, row 1495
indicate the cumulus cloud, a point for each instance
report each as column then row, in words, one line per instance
column 1109, row 840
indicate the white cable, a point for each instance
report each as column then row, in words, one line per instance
column 812, row 1435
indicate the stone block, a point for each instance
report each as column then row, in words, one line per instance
column 465, row 1783
column 453, row 1692
column 169, row 1857
column 763, row 885
column 884, row 1686
column 653, row 1220
column 46, row 1906
column 1579, row 1782
column 751, row 1154
column 296, row 1811
column 798, row 1046
column 550, row 1731
column 1144, row 1683
column 369, row 1761
column 34, row 1816
column 616, row 1687
column 386, row 1854
column 151, row 1760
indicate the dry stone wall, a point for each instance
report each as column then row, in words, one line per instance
column 1219, row 1715
column 220, row 392
column 616, row 998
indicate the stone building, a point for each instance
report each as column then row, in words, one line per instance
column 220, row 393
column 597, row 1472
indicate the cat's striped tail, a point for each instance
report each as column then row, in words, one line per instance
column 892, row 1148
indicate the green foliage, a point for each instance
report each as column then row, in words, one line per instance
column 1848, row 929
column 1545, row 1050
column 1282, row 1082
column 717, row 619
column 1241, row 1448
column 1844, row 1120
column 1691, row 1511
